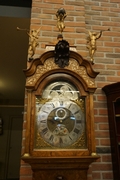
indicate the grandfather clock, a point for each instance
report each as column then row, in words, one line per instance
column 60, row 142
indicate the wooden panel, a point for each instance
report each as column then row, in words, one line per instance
column 113, row 102
column 10, row 142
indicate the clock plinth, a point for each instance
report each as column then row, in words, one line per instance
column 60, row 139
column 60, row 168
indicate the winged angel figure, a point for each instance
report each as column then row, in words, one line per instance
column 91, row 43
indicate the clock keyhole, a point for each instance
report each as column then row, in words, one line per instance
column 60, row 178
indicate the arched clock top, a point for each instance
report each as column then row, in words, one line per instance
column 45, row 66
column 50, row 54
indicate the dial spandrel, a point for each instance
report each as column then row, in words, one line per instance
column 60, row 118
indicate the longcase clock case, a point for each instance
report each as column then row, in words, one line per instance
column 60, row 140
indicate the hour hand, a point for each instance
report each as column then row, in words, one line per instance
column 52, row 121
column 56, row 118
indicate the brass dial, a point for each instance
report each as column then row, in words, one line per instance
column 60, row 118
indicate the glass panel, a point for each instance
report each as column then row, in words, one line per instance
column 60, row 118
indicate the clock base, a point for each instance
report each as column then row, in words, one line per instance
column 65, row 168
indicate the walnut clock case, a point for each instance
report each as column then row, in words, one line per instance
column 60, row 142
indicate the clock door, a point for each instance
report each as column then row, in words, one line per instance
column 60, row 120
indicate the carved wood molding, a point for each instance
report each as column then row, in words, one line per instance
column 60, row 168
column 78, row 67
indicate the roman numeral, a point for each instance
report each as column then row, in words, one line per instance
column 61, row 141
column 44, row 131
column 76, row 130
column 76, row 112
column 43, row 121
column 52, row 105
column 78, row 121
column 45, row 112
column 70, row 106
column 61, row 103
column 51, row 138
column 70, row 138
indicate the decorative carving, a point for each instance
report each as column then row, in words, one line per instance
column 40, row 143
column 81, row 143
column 80, row 103
column 50, row 65
column 61, row 15
column 62, row 52
column 42, row 100
column 81, row 70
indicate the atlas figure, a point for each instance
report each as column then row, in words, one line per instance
column 61, row 15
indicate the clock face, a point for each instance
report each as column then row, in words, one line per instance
column 60, row 119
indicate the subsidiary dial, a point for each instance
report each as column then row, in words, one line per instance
column 61, row 121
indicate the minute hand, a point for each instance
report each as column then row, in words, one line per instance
column 71, row 118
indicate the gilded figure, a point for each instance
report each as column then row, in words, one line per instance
column 61, row 15
column 91, row 43
column 33, row 42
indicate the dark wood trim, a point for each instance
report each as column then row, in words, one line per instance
column 19, row 3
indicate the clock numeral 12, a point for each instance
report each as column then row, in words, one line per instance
column 61, row 103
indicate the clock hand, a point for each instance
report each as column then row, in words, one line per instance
column 61, row 120
column 52, row 121
column 71, row 118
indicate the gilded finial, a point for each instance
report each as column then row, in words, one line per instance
column 61, row 15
